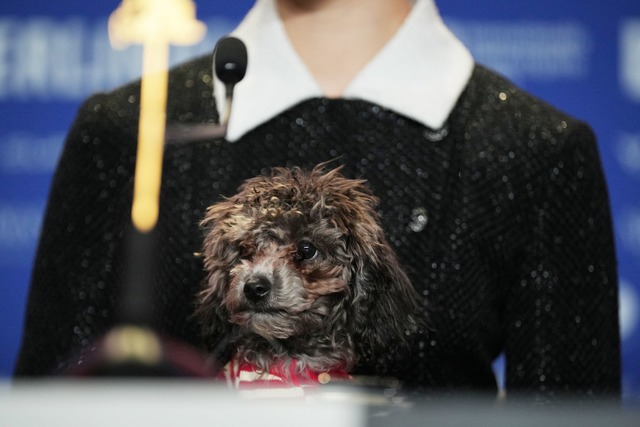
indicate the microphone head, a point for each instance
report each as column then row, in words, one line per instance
column 230, row 60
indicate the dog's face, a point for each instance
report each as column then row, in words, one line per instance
column 300, row 259
column 289, row 268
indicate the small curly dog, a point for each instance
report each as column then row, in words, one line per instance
column 302, row 286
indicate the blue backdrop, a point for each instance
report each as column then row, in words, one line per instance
column 583, row 57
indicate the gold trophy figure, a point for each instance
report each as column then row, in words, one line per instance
column 155, row 24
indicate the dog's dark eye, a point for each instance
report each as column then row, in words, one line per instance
column 247, row 252
column 305, row 251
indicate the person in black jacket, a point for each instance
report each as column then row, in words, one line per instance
column 495, row 201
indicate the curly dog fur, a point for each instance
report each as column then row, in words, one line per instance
column 298, row 267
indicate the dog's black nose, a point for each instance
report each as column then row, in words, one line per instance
column 257, row 288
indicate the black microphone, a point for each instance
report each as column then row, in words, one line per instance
column 230, row 65
column 230, row 60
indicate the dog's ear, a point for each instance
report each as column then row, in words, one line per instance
column 388, row 312
column 224, row 225
column 385, row 310
column 213, row 316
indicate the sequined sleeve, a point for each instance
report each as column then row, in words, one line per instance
column 561, row 309
column 74, row 274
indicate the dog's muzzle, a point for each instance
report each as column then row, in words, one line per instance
column 257, row 289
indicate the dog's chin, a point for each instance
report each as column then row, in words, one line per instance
column 273, row 324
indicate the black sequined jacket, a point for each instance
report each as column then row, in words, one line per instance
column 501, row 219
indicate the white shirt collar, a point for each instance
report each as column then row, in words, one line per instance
column 419, row 73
